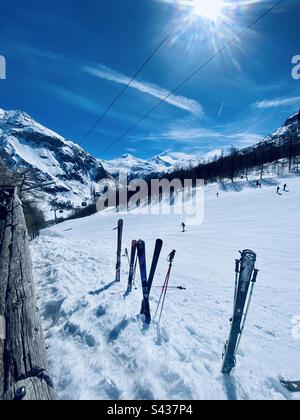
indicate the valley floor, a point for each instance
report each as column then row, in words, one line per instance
column 98, row 348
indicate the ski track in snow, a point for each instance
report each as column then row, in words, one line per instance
column 97, row 345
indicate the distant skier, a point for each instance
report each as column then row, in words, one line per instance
column 257, row 184
column 218, row 195
column 183, row 227
column 278, row 190
column 285, row 187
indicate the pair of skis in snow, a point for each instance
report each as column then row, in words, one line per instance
column 138, row 253
column 147, row 281
column 246, row 277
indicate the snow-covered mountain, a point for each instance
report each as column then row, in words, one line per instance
column 289, row 130
column 292, row 125
column 142, row 167
column 26, row 145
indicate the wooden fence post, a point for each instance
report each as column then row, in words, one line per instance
column 23, row 361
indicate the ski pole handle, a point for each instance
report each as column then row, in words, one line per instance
column 172, row 256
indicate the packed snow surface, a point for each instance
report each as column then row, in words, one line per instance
column 98, row 347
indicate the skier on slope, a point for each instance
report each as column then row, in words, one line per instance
column 278, row 190
column 285, row 187
column 183, row 227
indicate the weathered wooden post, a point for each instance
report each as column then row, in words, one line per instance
column 23, row 361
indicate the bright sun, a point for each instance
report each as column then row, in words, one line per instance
column 209, row 9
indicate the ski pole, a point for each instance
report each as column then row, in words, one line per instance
column 237, row 272
column 164, row 291
column 162, row 299
column 171, row 287
column 126, row 255
column 163, row 288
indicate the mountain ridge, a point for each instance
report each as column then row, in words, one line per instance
column 28, row 147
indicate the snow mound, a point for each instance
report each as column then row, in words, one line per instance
column 98, row 346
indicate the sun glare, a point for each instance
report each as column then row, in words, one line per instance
column 208, row 9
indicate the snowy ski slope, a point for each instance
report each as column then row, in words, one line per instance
column 98, row 348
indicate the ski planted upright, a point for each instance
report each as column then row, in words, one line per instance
column 156, row 255
column 247, row 273
column 132, row 265
column 119, row 250
column 141, row 250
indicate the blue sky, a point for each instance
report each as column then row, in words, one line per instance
column 66, row 60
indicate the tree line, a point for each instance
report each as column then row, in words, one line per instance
column 241, row 162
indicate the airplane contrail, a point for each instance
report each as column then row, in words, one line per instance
column 221, row 109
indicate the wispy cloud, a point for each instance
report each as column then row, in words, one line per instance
column 75, row 99
column 204, row 139
column 244, row 139
column 183, row 135
column 38, row 53
column 181, row 102
column 277, row 102
column 103, row 72
column 131, row 150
